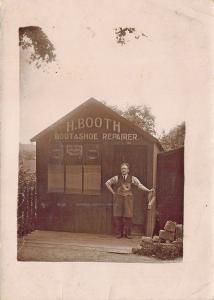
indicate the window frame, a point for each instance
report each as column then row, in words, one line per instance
column 83, row 166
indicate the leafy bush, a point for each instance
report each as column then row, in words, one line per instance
column 26, row 180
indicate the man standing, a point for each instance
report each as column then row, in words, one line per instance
column 123, row 199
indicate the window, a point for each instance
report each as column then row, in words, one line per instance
column 78, row 171
column 55, row 167
column 73, row 168
column 92, row 169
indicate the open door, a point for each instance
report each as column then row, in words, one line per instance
column 136, row 156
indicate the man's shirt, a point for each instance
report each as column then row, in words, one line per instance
column 135, row 181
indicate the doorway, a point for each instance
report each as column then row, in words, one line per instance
column 136, row 156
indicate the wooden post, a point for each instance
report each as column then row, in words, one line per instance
column 30, row 215
column 26, row 211
column 20, row 218
column 151, row 215
column 33, row 210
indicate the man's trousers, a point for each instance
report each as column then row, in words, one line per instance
column 123, row 213
column 122, row 225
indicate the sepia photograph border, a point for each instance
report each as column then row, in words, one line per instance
column 191, row 279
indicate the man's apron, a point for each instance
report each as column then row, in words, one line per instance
column 123, row 199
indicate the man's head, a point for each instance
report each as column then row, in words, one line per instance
column 124, row 167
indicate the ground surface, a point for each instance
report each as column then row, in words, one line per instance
column 79, row 247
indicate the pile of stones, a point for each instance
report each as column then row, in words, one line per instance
column 168, row 245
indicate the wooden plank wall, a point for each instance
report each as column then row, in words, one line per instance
column 170, row 186
column 81, row 213
column 69, row 212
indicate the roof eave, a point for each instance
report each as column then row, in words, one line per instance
column 93, row 100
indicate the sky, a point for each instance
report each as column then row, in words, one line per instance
column 157, row 70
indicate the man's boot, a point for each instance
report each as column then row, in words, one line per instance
column 118, row 227
column 119, row 236
column 127, row 227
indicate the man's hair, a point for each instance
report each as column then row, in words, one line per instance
column 125, row 164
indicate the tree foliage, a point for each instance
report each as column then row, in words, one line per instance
column 25, row 180
column 122, row 33
column 140, row 115
column 174, row 138
column 33, row 37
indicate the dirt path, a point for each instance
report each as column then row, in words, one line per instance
column 78, row 247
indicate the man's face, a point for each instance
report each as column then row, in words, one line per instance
column 124, row 170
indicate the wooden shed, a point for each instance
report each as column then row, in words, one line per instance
column 170, row 187
column 74, row 158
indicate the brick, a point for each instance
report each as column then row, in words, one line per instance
column 136, row 250
column 148, row 249
column 166, row 235
column 156, row 239
column 179, row 231
column 167, row 251
column 170, row 226
column 146, row 244
column 179, row 245
column 147, row 239
column 179, row 240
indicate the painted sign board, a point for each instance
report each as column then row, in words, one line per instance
column 93, row 122
column 94, row 129
column 74, row 150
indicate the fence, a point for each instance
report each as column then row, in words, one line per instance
column 27, row 211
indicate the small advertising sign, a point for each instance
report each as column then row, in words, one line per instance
column 74, row 150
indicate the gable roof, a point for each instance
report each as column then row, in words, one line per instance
column 93, row 101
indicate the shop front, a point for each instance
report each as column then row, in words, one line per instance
column 74, row 158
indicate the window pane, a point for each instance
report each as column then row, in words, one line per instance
column 73, row 154
column 92, row 179
column 55, row 178
column 73, row 169
column 92, row 154
column 55, row 167
column 92, row 169
column 73, row 179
